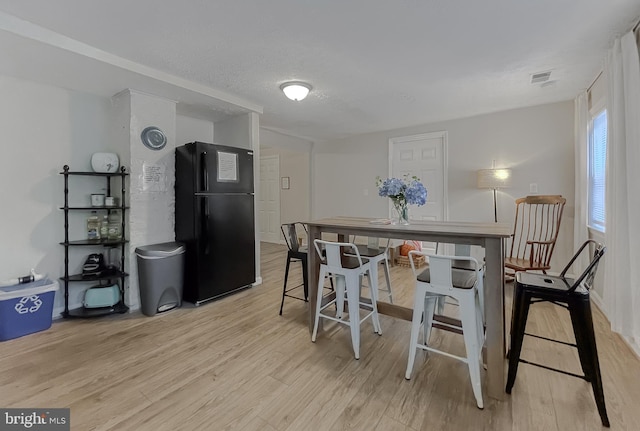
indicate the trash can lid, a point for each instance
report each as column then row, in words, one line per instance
column 165, row 249
column 28, row 289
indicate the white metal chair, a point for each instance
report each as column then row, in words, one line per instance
column 464, row 250
column 347, row 271
column 377, row 255
column 442, row 279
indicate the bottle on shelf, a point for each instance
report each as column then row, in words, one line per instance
column 113, row 258
column 104, row 227
column 115, row 226
column 93, row 226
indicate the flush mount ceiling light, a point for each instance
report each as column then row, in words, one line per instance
column 295, row 90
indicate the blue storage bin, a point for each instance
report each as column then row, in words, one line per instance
column 26, row 308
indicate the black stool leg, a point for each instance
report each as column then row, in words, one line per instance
column 521, row 302
column 284, row 288
column 579, row 332
column 581, row 309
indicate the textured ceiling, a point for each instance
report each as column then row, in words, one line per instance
column 374, row 64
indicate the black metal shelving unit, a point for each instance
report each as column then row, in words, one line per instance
column 119, row 275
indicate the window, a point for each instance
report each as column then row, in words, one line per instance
column 597, row 162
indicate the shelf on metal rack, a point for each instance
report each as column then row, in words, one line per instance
column 81, row 277
column 97, row 312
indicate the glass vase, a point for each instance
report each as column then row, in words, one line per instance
column 403, row 213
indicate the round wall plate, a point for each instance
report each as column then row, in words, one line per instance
column 153, row 138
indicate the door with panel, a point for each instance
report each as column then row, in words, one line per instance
column 424, row 156
column 269, row 199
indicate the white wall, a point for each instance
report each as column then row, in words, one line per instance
column 189, row 129
column 536, row 143
column 44, row 128
column 295, row 162
column 235, row 132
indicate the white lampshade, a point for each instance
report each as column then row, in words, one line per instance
column 494, row 178
column 296, row 90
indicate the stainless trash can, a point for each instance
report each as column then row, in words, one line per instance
column 160, row 276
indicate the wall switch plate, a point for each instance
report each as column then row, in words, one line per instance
column 533, row 188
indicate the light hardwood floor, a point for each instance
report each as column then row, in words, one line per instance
column 234, row 364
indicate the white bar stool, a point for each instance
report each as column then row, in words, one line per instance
column 439, row 280
column 377, row 255
column 464, row 250
column 347, row 271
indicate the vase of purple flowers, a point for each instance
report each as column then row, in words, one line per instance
column 402, row 192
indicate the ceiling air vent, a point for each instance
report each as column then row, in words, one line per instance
column 537, row 78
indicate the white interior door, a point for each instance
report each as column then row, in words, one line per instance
column 269, row 201
column 424, row 156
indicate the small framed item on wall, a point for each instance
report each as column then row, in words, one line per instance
column 284, row 183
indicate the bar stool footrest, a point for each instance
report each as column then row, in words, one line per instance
column 583, row 377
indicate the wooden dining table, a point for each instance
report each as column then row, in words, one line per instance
column 490, row 236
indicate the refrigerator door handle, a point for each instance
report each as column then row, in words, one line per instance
column 203, row 170
column 204, row 209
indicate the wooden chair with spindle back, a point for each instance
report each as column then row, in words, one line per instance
column 535, row 232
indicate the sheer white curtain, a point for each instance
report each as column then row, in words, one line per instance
column 580, row 232
column 622, row 261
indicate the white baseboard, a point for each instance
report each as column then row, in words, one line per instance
column 633, row 344
column 597, row 299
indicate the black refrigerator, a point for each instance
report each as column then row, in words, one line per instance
column 215, row 219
